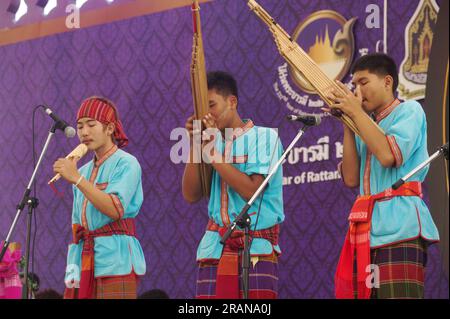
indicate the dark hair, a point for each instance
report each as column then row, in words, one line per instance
column 48, row 294
column 379, row 64
column 154, row 294
column 224, row 83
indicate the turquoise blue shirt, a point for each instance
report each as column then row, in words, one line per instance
column 399, row 218
column 252, row 153
column 119, row 174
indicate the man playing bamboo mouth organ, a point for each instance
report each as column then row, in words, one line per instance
column 389, row 230
column 105, row 258
column 238, row 171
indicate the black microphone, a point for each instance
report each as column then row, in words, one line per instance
column 62, row 125
column 310, row 120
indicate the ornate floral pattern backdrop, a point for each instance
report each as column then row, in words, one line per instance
column 143, row 65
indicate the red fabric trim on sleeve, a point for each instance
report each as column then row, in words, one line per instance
column 395, row 151
column 117, row 203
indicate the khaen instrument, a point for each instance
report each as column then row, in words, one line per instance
column 76, row 154
column 200, row 88
column 300, row 61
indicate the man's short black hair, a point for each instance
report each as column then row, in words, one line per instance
column 48, row 294
column 154, row 294
column 223, row 82
column 379, row 64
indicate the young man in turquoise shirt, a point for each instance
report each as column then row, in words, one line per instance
column 105, row 258
column 242, row 156
column 399, row 225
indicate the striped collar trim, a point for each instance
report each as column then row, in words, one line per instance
column 242, row 130
column 107, row 155
column 387, row 110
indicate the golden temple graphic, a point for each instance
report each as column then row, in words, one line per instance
column 332, row 52
column 322, row 50
column 418, row 42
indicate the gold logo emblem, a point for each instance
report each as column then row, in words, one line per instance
column 327, row 37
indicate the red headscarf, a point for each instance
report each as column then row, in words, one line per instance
column 105, row 112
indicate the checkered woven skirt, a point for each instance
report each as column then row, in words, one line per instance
column 263, row 279
column 401, row 270
column 117, row 287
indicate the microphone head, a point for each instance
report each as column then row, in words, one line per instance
column 70, row 132
column 310, row 120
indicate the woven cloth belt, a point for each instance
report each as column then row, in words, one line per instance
column 119, row 227
column 358, row 240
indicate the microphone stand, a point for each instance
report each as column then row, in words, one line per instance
column 443, row 150
column 243, row 219
column 32, row 204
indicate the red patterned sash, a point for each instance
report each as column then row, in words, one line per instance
column 119, row 227
column 357, row 241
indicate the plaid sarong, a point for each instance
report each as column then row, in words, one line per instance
column 115, row 287
column 401, row 270
column 263, row 279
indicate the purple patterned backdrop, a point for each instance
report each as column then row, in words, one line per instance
column 143, row 65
